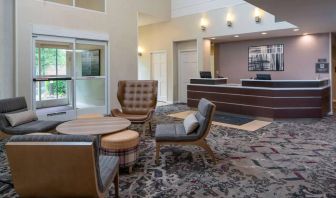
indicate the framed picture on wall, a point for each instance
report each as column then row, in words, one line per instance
column 90, row 60
column 266, row 58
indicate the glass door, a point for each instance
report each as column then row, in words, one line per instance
column 69, row 77
column 53, row 64
column 91, row 77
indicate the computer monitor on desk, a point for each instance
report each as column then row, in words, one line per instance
column 263, row 77
column 205, row 74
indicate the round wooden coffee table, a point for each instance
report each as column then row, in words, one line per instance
column 94, row 126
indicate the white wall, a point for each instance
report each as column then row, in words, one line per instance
column 6, row 49
column 119, row 23
column 144, row 72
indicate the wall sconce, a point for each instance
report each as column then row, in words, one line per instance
column 229, row 19
column 204, row 24
column 257, row 15
column 140, row 51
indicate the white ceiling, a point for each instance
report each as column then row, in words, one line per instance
column 189, row 7
column 311, row 16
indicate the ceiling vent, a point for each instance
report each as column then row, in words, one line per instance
column 278, row 20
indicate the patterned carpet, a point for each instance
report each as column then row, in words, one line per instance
column 294, row 158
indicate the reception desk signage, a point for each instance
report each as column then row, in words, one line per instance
column 322, row 68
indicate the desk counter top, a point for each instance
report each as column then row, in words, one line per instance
column 285, row 83
column 239, row 86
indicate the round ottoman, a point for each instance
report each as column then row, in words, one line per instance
column 123, row 144
column 88, row 116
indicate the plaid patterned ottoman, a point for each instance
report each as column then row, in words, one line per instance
column 123, row 144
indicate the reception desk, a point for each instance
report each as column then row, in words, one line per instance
column 275, row 99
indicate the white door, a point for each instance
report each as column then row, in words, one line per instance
column 187, row 69
column 159, row 73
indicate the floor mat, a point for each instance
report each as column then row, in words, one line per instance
column 230, row 119
column 252, row 125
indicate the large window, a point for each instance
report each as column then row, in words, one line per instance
column 98, row 5
column 50, row 62
column 53, row 63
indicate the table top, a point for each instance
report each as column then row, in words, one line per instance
column 93, row 126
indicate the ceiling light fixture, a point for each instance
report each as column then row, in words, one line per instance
column 204, row 24
column 257, row 15
column 229, row 19
column 264, row 33
column 140, row 51
column 213, row 38
column 296, row 30
column 236, row 36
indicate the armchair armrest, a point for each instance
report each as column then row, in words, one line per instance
column 115, row 112
column 150, row 114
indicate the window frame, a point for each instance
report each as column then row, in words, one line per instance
column 73, row 5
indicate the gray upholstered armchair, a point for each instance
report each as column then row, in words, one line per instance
column 16, row 105
column 175, row 133
column 60, row 166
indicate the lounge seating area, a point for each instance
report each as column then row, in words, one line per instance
column 267, row 159
column 16, row 106
column 167, row 98
column 71, row 149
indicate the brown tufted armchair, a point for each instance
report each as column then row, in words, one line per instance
column 138, row 100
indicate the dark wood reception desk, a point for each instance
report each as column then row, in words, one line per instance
column 270, row 99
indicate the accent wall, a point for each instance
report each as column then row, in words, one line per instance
column 301, row 53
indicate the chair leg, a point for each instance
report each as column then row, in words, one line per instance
column 116, row 184
column 144, row 129
column 3, row 135
column 207, row 148
column 157, row 156
column 150, row 128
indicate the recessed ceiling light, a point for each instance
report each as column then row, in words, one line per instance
column 295, row 30
column 213, row 38
column 264, row 33
column 236, row 36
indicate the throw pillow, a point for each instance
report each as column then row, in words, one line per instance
column 16, row 119
column 190, row 123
